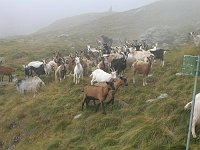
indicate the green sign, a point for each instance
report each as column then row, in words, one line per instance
column 190, row 65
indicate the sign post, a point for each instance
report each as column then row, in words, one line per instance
column 191, row 67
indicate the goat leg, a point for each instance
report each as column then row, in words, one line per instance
column 111, row 100
column 97, row 107
column 193, row 129
column 103, row 108
column 133, row 78
column 83, row 102
column 87, row 103
column 144, row 81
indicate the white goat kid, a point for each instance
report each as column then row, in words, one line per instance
column 78, row 71
column 196, row 114
column 99, row 75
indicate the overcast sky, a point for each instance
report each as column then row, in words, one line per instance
column 27, row 16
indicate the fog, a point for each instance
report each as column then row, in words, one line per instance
column 20, row 17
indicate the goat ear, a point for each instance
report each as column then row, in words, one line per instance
column 148, row 58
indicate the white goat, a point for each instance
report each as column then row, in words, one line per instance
column 30, row 84
column 49, row 67
column 53, row 65
column 196, row 114
column 139, row 55
column 78, row 71
column 99, row 75
column 155, row 47
column 92, row 49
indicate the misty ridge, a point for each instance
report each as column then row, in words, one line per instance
column 166, row 21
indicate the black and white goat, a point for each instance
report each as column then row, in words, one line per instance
column 36, row 67
column 119, row 64
column 159, row 54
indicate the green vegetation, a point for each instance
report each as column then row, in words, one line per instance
column 47, row 121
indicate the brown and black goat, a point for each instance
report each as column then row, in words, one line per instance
column 92, row 92
column 117, row 84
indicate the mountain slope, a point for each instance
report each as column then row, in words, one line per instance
column 48, row 120
column 67, row 23
column 175, row 17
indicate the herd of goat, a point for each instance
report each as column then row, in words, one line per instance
column 107, row 72
column 81, row 63
column 105, row 68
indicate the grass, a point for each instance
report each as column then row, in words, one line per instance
column 47, row 121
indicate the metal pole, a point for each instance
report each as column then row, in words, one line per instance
column 193, row 102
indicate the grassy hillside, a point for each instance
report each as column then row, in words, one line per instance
column 47, row 121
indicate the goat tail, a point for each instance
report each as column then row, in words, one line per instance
column 91, row 75
column 188, row 106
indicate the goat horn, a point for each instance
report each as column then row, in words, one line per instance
column 111, row 69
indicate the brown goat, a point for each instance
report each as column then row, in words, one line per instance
column 71, row 64
column 141, row 67
column 60, row 72
column 100, row 93
column 117, row 84
column 6, row 71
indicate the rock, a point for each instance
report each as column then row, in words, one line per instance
column 78, row 116
column 179, row 74
column 151, row 100
column 164, row 95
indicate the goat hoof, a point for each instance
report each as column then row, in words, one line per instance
column 194, row 136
